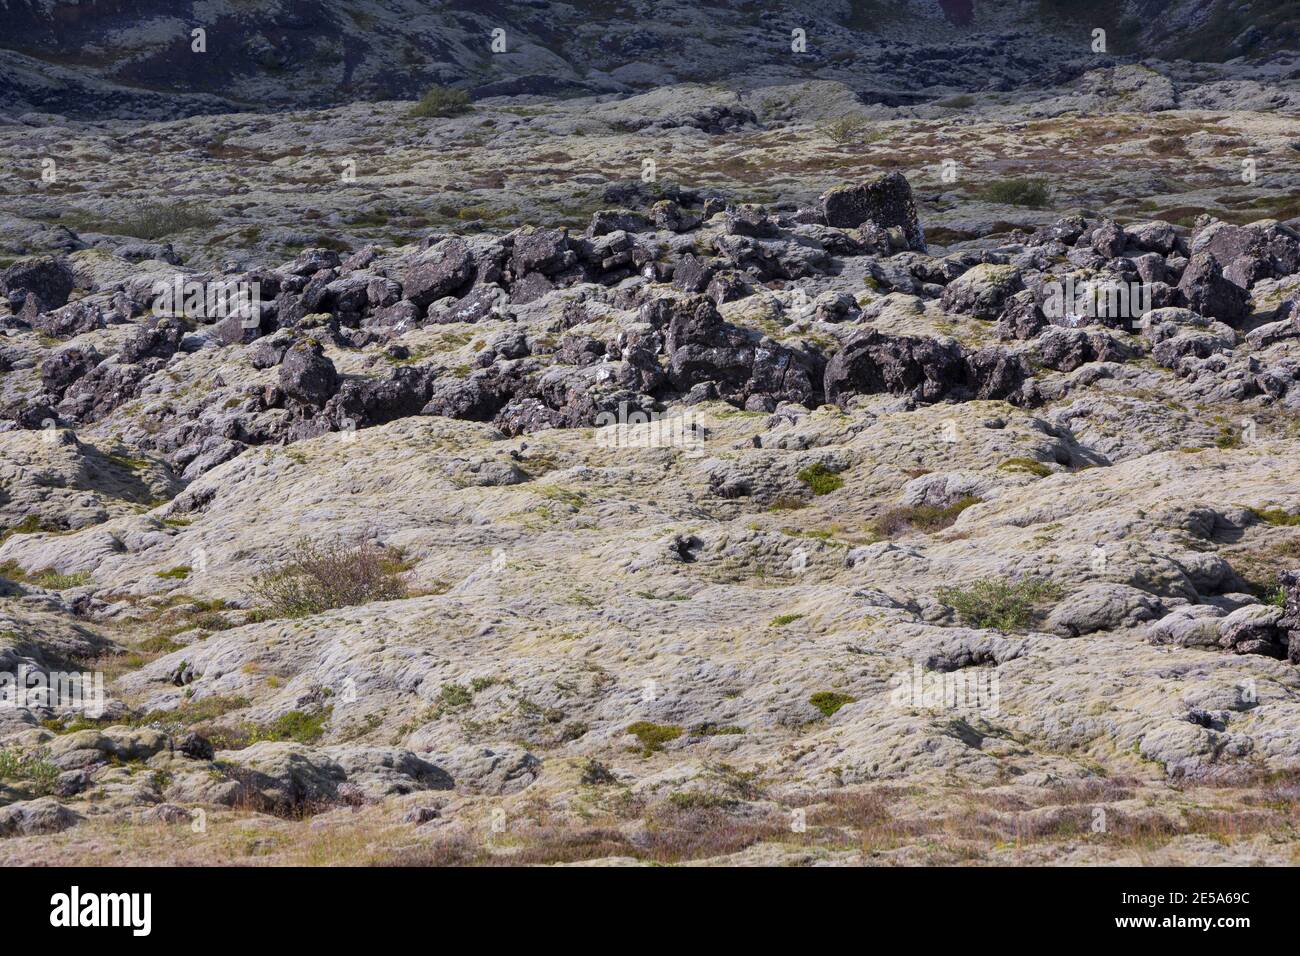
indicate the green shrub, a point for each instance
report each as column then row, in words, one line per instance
column 927, row 518
column 781, row 620
column 820, row 479
column 441, row 101
column 1021, row 191
column 54, row 581
column 175, row 574
column 997, row 602
column 847, row 129
column 456, row 695
column 33, row 769
column 828, row 702
column 653, row 736
column 1228, row 437
column 296, row 725
column 319, row 578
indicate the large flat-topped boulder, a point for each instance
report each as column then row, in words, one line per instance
column 885, row 201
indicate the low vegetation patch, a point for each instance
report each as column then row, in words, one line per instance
column 927, row 518
column 997, row 602
column 829, row 702
column 49, row 579
column 850, row 129
column 1275, row 516
column 441, row 101
column 32, row 771
column 820, row 479
column 1021, row 191
column 1031, row 465
column 152, row 220
column 653, row 736
column 297, row 725
column 319, row 578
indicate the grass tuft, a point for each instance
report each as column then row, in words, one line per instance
column 821, row 479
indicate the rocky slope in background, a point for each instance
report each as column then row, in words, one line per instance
column 92, row 58
column 892, row 476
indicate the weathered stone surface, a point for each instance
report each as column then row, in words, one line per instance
column 885, row 202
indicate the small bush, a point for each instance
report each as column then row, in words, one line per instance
column 828, row 702
column 998, row 603
column 846, row 129
column 322, row 577
column 1022, row 191
column 54, row 581
column 34, row 769
column 781, row 620
column 821, row 479
column 441, row 101
column 653, row 736
column 596, row 774
column 296, row 725
column 1228, row 437
column 154, row 220
column 456, row 695
column 927, row 518
column 175, row 574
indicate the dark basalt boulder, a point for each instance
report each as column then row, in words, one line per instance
column 885, row 201
column 1263, row 250
column 307, row 375
column 872, row 362
column 569, row 397
column 691, row 275
column 615, row 220
column 1204, row 289
column 1066, row 231
column 1021, row 318
column 161, row 340
column 69, row 321
column 1290, row 622
column 1108, row 239
column 311, row 261
column 479, row 396
column 104, row 388
column 47, row 279
column 65, row 366
column 752, row 220
column 441, row 271
column 701, row 347
column 368, row 402
column 541, row 250
column 1065, row 349
column 994, row 373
